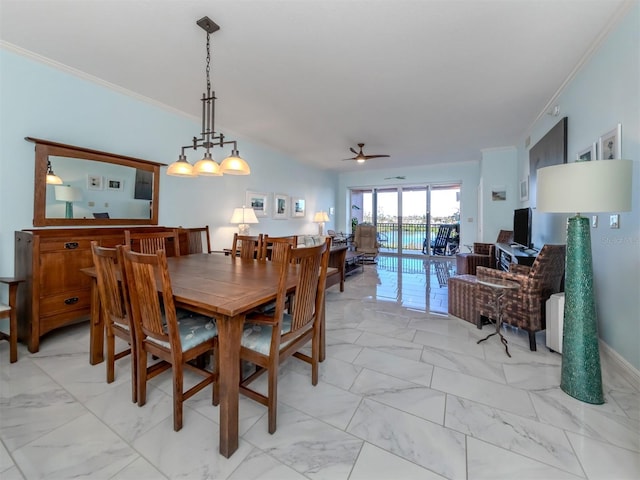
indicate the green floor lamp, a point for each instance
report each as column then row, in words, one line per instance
column 598, row 186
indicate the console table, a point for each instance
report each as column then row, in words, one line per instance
column 507, row 254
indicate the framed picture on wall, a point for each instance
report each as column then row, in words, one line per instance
column 280, row 206
column 259, row 202
column 550, row 150
column 297, row 207
column 524, row 189
column 587, row 154
column 610, row 144
column 94, row 182
column 499, row 193
column 114, row 184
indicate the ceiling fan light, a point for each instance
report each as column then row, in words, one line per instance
column 234, row 164
column 181, row 168
column 360, row 159
column 207, row 167
column 52, row 178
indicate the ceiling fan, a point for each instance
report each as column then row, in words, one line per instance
column 361, row 157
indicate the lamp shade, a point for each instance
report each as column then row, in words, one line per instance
column 234, row 164
column 321, row 217
column 181, row 168
column 207, row 167
column 65, row 193
column 599, row 186
column 243, row 215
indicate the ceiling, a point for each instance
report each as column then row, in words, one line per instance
column 427, row 82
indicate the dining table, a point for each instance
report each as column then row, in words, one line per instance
column 223, row 287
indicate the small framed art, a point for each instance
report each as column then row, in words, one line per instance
column 587, row 154
column 94, row 182
column 114, row 184
column 259, row 202
column 297, row 207
column 280, row 206
column 524, row 189
column 610, row 144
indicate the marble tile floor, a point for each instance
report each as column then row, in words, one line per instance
column 405, row 393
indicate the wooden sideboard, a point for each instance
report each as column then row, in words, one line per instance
column 56, row 292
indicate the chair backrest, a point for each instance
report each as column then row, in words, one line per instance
column 275, row 248
column 442, row 237
column 312, row 263
column 366, row 237
column 547, row 270
column 249, row 246
column 151, row 242
column 505, row 236
column 151, row 316
column 197, row 239
column 113, row 297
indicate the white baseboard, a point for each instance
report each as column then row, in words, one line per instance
column 624, row 368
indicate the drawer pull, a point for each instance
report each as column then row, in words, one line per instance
column 71, row 301
column 71, row 245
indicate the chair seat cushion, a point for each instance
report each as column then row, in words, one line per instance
column 194, row 329
column 258, row 337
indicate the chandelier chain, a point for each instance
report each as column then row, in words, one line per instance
column 208, row 64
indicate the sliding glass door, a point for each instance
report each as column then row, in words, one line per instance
column 408, row 217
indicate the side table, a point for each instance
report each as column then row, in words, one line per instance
column 498, row 287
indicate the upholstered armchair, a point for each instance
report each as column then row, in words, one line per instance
column 366, row 241
column 524, row 307
column 484, row 254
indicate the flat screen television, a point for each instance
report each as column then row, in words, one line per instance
column 522, row 227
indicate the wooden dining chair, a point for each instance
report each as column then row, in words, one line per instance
column 115, row 310
column 151, row 242
column 175, row 336
column 267, row 340
column 9, row 317
column 274, row 248
column 197, row 239
column 249, row 246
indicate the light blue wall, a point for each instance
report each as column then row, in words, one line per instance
column 605, row 92
column 41, row 101
column 499, row 169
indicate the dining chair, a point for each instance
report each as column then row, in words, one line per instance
column 115, row 310
column 274, row 248
column 268, row 340
column 9, row 317
column 250, row 247
column 178, row 337
column 197, row 239
column 151, row 242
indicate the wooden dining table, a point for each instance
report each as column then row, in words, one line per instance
column 226, row 288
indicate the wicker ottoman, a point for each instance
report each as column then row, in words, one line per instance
column 462, row 297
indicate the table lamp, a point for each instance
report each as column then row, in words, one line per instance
column 320, row 218
column 243, row 217
column 598, row 186
column 65, row 193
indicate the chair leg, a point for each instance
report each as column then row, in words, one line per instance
column 532, row 341
column 273, row 395
column 134, row 373
column 216, row 371
column 110, row 356
column 142, row 376
column 13, row 336
column 178, row 379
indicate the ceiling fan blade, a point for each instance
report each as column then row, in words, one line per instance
column 376, row 156
column 351, row 148
column 345, row 159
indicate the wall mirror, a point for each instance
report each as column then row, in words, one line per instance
column 92, row 187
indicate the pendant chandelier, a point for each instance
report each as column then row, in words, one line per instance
column 207, row 166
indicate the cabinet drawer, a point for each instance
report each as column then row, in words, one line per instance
column 52, row 245
column 66, row 302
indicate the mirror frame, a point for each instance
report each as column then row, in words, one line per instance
column 45, row 148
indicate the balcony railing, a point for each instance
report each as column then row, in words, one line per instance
column 413, row 236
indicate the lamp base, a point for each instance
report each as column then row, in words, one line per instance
column 244, row 229
column 581, row 374
column 68, row 212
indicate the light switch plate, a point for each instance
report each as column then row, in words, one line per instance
column 614, row 221
column 594, row 221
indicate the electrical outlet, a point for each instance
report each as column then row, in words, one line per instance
column 92, row 204
column 106, row 204
column 594, row 221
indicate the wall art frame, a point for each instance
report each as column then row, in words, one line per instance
column 551, row 149
column 298, row 207
column 259, row 202
column 588, row 154
column 524, row 189
column 95, row 182
column 280, row 206
column 116, row 184
column 610, row 144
